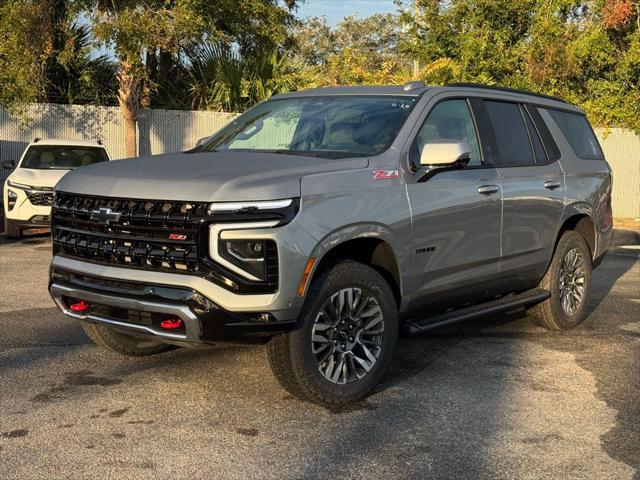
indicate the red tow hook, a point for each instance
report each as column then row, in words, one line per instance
column 171, row 324
column 80, row 306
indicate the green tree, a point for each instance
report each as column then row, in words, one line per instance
column 140, row 33
column 585, row 51
column 355, row 51
column 74, row 75
column 219, row 77
column 24, row 55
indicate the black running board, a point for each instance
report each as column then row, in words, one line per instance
column 530, row 297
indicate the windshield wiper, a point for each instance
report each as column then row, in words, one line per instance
column 281, row 151
column 302, row 153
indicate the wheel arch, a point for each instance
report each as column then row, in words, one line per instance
column 370, row 248
column 582, row 223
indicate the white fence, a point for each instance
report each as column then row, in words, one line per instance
column 170, row 131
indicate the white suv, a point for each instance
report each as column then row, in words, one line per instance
column 28, row 191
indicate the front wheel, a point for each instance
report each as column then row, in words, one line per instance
column 568, row 279
column 348, row 331
column 11, row 230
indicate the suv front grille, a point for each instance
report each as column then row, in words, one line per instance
column 156, row 235
column 152, row 234
column 41, row 199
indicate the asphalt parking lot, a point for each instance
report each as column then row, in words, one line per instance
column 493, row 398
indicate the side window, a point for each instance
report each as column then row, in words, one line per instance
column 579, row 134
column 448, row 121
column 511, row 137
column 538, row 149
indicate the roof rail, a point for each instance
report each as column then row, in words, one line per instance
column 505, row 89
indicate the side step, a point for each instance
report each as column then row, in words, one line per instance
column 530, row 297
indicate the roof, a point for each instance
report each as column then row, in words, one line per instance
column 75, row 143
column 417, row 89
column 397, row 90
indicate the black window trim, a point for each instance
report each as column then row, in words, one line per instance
column 548, row 141
column 489, row 127
column 529, row 136
column 526, row 114
column 578, row 114
column 485, row 134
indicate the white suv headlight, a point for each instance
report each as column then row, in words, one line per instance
column 21, row 186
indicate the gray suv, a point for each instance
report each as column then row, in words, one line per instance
column 324, row 222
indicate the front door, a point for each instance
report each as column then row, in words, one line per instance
column 456, row 214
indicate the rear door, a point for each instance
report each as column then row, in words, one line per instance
column 533, row 190
column 456, row 214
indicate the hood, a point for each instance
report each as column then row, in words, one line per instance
column 37, row 177
column 203, row 177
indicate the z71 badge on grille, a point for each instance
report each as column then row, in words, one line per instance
column 105, row 215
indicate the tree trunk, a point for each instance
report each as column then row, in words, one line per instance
column 128, row 95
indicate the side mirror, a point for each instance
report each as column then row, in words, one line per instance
column 9, row 164
column 445, row 154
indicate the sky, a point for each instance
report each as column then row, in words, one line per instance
column 335, row 10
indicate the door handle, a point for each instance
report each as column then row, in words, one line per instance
column 487, row 189
column 551, row 184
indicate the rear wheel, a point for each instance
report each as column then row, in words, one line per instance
column 121, row 343
column 568, row 279
column 348, row 331
column 11, row 230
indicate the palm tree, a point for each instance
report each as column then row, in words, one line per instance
column 218, row 77
column 74, row 75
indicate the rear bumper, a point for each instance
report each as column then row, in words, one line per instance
column 139, row 309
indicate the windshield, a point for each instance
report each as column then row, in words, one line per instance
column 331, row 127
column 58, row 157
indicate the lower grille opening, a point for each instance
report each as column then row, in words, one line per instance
column 159, row 321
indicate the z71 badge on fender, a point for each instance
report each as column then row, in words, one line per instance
column 385, row 174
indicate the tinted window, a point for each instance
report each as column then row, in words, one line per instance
column 57, row 157
column 538, row 149
column 578, row 133
column 333, row 126
column 512, row 139
column 448, row 121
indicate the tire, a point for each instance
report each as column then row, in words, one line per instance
column 308, row 369
column 562, row 312
column 121, row 343
column 11, row 230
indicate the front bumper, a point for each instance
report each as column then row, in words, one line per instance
column 37, row 221
column 139, row 309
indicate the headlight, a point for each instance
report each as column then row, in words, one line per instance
column 21, row 186
column 248, row 255
column 236, row 207
column 12, row 197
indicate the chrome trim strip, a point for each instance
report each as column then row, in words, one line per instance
column 191, row 322
column 224, row 298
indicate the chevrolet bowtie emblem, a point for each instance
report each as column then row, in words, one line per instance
column 105, row 215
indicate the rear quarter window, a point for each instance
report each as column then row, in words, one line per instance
column 578, row 133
